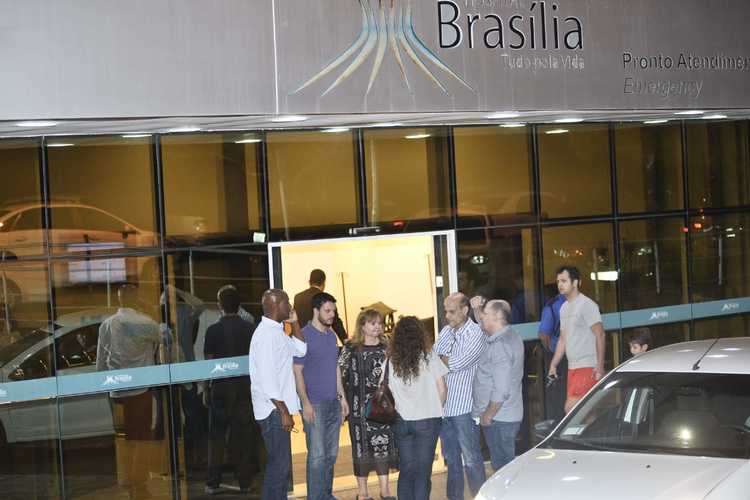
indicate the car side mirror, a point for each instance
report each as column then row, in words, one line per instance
column 544, row 428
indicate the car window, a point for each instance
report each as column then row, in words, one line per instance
column 39, row 365
column 94, row 220
column 28, row 219
column 77, row 348
column 674, row 413
column 64, row 218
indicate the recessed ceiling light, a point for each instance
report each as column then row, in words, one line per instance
column 184, row 129
column 655, row 122
column 135, row 136
column 557, row 131
column 569, row 120
column 288, row 119
column 36, row 123
column 506, row 115
column 513, row 125
column 252, row 140
column 417, row 136
column 387, row 124
column 336, row 130
column 60, row 144
column 690, row 112
column 713, row 117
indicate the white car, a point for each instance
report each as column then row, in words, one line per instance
column 75, row 343
column 670, row 424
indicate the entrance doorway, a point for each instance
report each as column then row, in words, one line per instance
column 409, row 274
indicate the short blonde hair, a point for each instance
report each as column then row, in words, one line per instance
column 365, row 317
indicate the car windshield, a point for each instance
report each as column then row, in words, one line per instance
column 697, row 414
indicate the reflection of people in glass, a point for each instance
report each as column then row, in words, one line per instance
column 230, row 413
column 130, row 339
column 361, row 363
column 303, row 304
column 549, row 334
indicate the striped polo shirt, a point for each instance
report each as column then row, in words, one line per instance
column 463, row 346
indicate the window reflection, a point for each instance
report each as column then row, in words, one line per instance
column 574, row 170
column 493, row 175
column 589, row 247
column 736, row 325
column 649, row 167
column 718, row 164
column 406, row 175
column 654, row 263
column 194, row 279
column 312, row 180
column 211, row 189
column 101, row 194
column 21, row 225
column 117, row 445
column 29, row 451
column 500, row 263
column 720, row 256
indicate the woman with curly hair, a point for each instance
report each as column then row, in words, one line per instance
column 416, row 379
column 361, row 363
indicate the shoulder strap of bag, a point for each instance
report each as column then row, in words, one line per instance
column 385, row 377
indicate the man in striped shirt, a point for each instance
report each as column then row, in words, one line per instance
column 460, row 344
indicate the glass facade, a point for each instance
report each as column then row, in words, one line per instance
column 655, row 217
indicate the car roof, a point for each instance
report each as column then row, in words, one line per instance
column 728, row 355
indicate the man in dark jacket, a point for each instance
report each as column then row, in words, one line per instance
column 303, row 304
column 229, row 399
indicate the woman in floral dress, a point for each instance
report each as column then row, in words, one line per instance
column 361, row 363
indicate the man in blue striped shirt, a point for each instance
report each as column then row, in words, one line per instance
column 460, row 344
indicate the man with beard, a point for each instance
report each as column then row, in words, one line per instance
column 321, row 392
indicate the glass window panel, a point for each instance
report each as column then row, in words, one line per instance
column 720, row 254
column 211, row 188
column 649, row 167
column 101, row 194
column 589, row 247
column 312, row 179
column 654, row 262
column 407, row 174
column 116, row 445
column 493, row 175
column 29, row 451
column 500, row 264
column 736, row 325
column 718, row 164
column 574, row 169
column 21, row 227
column 24, row 298
column 195, row 278
column 661, row 335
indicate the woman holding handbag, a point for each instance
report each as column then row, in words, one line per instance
column 361, row 363
column 416, row 380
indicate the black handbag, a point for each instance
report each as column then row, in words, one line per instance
column 382, row 408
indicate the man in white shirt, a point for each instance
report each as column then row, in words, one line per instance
column 272, row 387
column 581, row 340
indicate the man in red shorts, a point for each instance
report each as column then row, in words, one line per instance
column 581, row 337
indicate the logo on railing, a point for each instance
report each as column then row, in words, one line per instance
column 225, row 367
column 730, row 306
column 657, row 315
column 117, row 380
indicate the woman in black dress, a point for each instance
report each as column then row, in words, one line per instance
column 361, row 363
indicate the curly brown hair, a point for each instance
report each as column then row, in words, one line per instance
column 408, row 347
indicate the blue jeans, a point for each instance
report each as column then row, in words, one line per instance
column 279, row 453
column 322, row 438
column 501, row 440
column 416, row 441
column 460, row 438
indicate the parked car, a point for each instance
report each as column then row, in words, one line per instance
column 670, row 424
column 33, row 357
